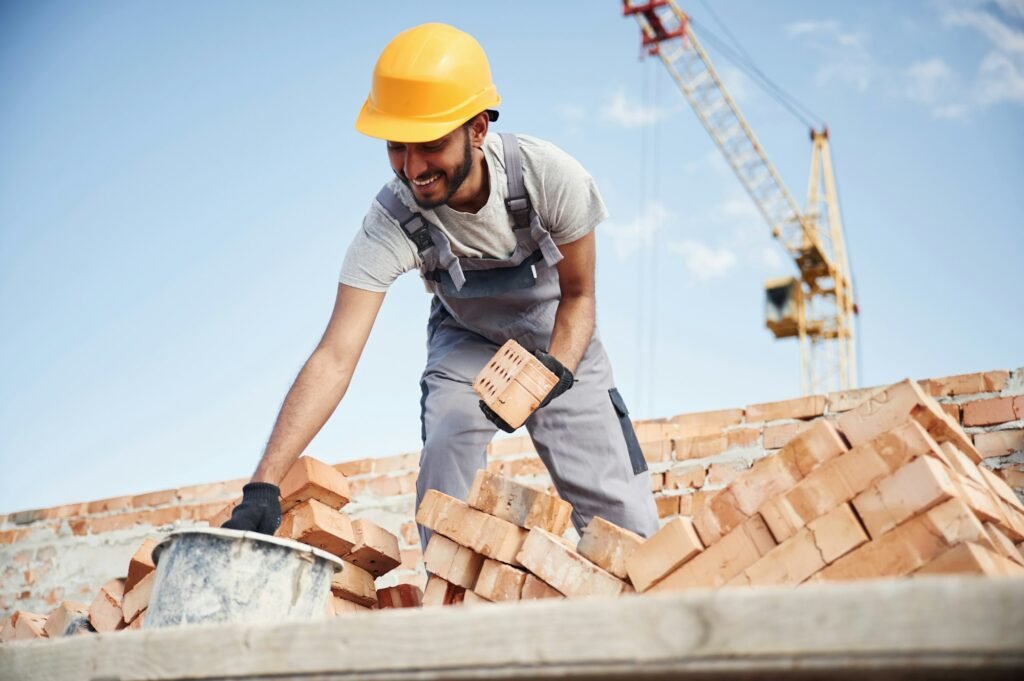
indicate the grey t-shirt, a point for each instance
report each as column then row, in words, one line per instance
column 561, row 191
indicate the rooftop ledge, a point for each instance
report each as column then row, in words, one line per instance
column 908, row 628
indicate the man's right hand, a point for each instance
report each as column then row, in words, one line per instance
column 260, row 510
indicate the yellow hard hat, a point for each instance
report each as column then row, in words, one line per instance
column 428, row 81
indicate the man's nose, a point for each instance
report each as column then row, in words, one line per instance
column 415, row 164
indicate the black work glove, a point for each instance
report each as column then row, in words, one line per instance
column 260, row 510
column 494, row 418
column 564, row 376
column 564, row 381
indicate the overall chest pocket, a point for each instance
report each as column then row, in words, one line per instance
column 491, row 282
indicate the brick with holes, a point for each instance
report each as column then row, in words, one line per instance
column 514, row 383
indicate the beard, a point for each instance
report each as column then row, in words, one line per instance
column 453, row 182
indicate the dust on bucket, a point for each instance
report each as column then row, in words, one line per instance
column 219, row 575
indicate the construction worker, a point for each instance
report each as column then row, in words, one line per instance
column 500, row 228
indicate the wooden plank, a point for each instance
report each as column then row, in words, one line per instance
column 867, row 630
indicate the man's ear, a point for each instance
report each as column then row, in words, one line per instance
column 478, row 129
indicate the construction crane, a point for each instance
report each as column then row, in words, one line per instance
column 817, row 307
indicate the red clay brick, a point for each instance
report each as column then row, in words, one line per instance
column 11, row 536
column 108, row 505
column 510, row 445
column 518, row 504
column 969, row 558
column 846, row 400
column 105, row 612
column 777, row 436
column 701, row 446
column 310, row 478
column 375, row 549
column 486, row 534
column 657, row 482
column 723, row 473
column 440, row 592
column 400, row 596
column 451, row 562
column 57, row 620
column 657, row 450
column 208, row 492
column 160, row 498
column 691, row 504
column 352, row 468
column 548, row 557
column 1014, row 477
column 953, row 410
column 999, row 442
column 685, row 477
column 535, row 588
column 964, row 384
column 411, row 559
column 667, row 505
column 499, row 582
column 722, row 561
column 993, row 411
column 409, row 533
column 355, row 585
column 399, row 462
column 529, row 466
column 384, row 486
column 317, row 524
column 655, row 430
column 891, row 407
column 909, row 546
column 608, row 546
column 912, row 489
column 799, row 408
column 141, row 564
column 668, row 548
column 707, row 422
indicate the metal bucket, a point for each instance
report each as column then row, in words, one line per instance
column 219, row 575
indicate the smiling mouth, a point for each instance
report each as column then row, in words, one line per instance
column 427, row 182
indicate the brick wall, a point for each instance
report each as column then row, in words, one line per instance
column 67, row 552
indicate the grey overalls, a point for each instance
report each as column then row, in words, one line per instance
column 584, row 436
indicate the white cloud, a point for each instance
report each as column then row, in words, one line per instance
column 843, row 55
column 925, row 79
column 629, row 114
column 639, row 232
column 810, row 26
column 1000, row 79
column 950, row 112
column 1000, row 75
column 702, row 261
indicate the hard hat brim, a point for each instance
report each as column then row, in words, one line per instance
column 376, row 123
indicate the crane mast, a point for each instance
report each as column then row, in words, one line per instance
column 817, row 307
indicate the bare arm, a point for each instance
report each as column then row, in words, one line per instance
column 574, row 319
column 322, row 383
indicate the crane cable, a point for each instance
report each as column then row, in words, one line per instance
column 742, row 59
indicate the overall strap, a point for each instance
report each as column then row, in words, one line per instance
column 518, row 201
column 413, row 224
column 418, row 230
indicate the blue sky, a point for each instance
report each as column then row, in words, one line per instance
column 179, row 182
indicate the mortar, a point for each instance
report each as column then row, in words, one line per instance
column 219, row 575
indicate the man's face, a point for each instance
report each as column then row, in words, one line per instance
column 433, row 171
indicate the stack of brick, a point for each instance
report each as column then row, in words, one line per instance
column 893, row 489
column 313, row 495
column 505, row 543
column 68, row 552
